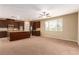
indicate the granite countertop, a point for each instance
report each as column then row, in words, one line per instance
column 18, row 31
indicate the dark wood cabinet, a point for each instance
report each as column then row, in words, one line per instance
column 18, row 35
column 3, row 34
column 3, row 24
column 36, row 33
column 35, row 25
column 10, row 24
column 16, row 25
column 21, row 24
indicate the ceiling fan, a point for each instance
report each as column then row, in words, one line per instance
column 44, row 15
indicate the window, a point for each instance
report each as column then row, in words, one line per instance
column 54, row 25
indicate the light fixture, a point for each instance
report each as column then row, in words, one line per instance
column 44, row 14
column 13, row 17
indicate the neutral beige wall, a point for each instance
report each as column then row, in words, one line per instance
column 70, row 28
column 78, row 27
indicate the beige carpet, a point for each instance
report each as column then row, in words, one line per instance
column 38, row 46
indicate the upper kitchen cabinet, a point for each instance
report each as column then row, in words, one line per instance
column 11, row 24
column 35, row 28
column 35, row 24
column 16, row 25
column 3, row 24
column 21, row 25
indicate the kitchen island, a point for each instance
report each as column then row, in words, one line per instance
column 17, row 35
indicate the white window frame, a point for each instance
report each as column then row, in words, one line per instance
column 49, row 21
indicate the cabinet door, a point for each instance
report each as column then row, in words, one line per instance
column 3, row 34
column 38, row 24
column 3, row 24
column 16, row 25
column 36, row 33
column 21, row 25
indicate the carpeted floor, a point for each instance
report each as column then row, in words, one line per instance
column 38, row 46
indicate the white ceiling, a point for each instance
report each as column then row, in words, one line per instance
column 32, row 11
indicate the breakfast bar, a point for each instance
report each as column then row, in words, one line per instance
column 17, row 35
